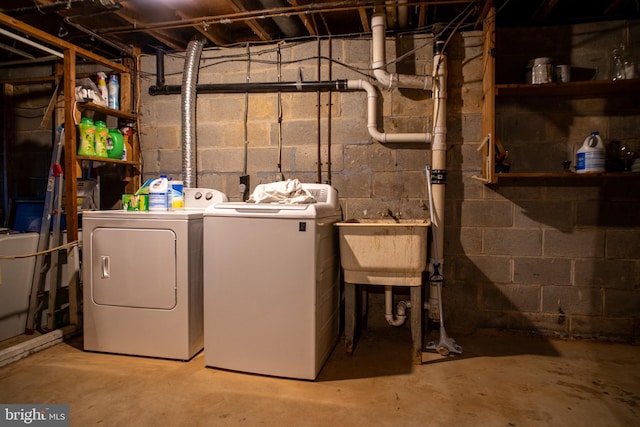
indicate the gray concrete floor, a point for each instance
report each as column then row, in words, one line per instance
column 499, row 380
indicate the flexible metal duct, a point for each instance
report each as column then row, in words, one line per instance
column 189, row 82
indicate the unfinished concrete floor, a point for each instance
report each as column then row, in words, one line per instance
column 499, row 380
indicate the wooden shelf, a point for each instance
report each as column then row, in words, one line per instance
column 565, row 175
column 90, row 106
column 586, row 89
column 108, row 160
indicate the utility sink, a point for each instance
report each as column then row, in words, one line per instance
column 384, row 251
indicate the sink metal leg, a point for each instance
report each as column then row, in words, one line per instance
column 350, row 314
column 416, row 323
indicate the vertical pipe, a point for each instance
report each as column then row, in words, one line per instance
column 159, row 67
column 319, row 99
column 330, row 55
column 438, row 168
column 189, row 82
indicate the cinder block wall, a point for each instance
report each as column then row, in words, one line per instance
column 534, row 258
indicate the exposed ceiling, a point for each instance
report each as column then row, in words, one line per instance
column 113, row 28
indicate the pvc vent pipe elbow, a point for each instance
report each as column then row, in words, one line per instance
column 391, row 80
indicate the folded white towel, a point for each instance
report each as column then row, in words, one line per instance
column 285, row 192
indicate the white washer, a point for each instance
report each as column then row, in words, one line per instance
column 142, row 279
column 271, row 285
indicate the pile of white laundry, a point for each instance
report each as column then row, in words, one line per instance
column 284, row 192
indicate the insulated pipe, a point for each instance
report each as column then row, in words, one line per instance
column 189, row 81
column 391, row 80
column 438, row 171
column 401, row 316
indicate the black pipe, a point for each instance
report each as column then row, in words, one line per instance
column 159, row 67
column 266, row 87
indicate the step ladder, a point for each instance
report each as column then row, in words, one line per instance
column 48, row 261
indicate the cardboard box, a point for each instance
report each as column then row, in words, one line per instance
column 131, row 202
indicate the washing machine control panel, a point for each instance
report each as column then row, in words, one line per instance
column 200, row 198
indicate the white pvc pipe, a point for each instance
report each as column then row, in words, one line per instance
column 438, row 163
column 372, row 117
column 401, row 316
column 379, row 65
column 31, row 43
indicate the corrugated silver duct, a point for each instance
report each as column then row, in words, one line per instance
column 189, row 82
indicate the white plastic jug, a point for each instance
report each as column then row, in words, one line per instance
column 591, row 156
column 158, row 193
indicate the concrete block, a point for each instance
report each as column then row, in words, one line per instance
column 296, row 132
column 480, row 213
column 414, row 185
column 168, row 113
column 547, row 324
column 482, row 269
column 607, row 273
column 623, row 244
column 170, row 162
column 572, row 300
column 221, row 108
column 511, row 298
column 220, row 160
column 603, row 327
column 353, row 185
column 512, row 241
column 540, row 213
column 621, row 303
column 542, row 271
column 387, row 185
column 375, row 157
column 350, row 131
column 580, row 243
column 463, row 241
column 414, row 158
column 608, row 213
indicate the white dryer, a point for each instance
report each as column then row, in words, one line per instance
column 271, row 285
column 142, row 279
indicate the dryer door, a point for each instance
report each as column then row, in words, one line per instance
column 134, row 267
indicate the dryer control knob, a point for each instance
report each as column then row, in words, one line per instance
column 198, row 195
column 208, row 196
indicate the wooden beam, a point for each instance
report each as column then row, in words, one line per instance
column 364, row 20
column 59, row 43
column 305, row 20
column 164, row 36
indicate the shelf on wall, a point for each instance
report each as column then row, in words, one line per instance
column 90, row 106
column 586, row 89
column 108, row 160
column 565, row 175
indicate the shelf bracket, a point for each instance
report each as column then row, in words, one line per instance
column 487, row 160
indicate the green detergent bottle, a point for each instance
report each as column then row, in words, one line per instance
column 87, row 137
column 115, row 148
column 102, row 136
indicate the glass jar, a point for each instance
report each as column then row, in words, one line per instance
column 542, row 71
